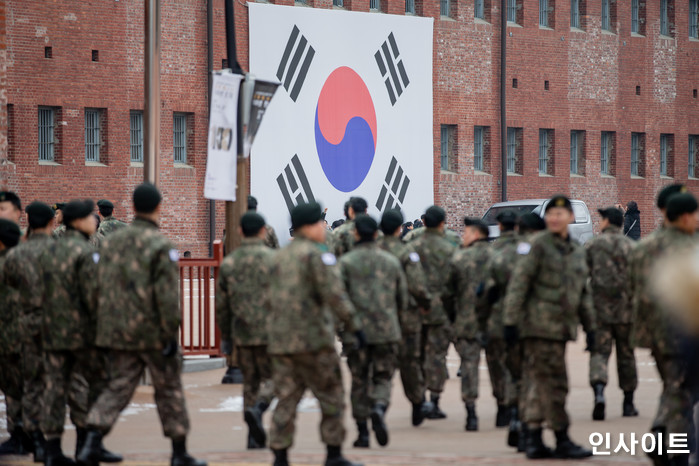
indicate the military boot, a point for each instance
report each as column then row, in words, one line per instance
column 54, row 455
column 471, row 418
column 335, row 458
column 363, row 435
column 523, row 435
column 502, row 418
column 39, row 446
column 180, row 457
column 535, row 445
column 253, row 418
column 421, row 411
column 107, row 456
column 598, row 411
column 436, row 413
column 90, row 453
column 378, row 424
column 252, row 444
column 565, row 448
column 515, row 425
column 657, row 458
column 80, row 435
column 679, row 460
column 280, row 458
column 628, row 409
column 14, row 445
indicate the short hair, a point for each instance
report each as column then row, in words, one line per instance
column 146, row 198
column 359, row 205
column 252, row 203
column 10, row 196
column 478, row 224
column 251, row 223
column 434, row 216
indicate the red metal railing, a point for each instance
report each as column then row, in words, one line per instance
column 199, row 334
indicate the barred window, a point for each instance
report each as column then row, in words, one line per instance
column 448, row 148
column 93, row 137
column 546, row 151
column 575, row 14
column 478, row 148
column 692, row 155
column 606, row 150
column 478, row 9
column 514, row 151
column 136, row 136
column 666, row 152
column 635, row 17
column 444, row 7
column 543, row 13
column 374, row 5
column 664, row 18
column 637, row 154
column 577, row 152
column 410, row 6
column 179, row 132
column 512, row 11
column 338, row 2
column 47, row 116
column 606, row 15
column 694, row 19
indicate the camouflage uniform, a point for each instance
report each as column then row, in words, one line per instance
column 23, row 274
column 138, row 315
column 547, row 298
column 376, row 284
column 343, row 238
column 466, row 271
column 409, row 362
column 271, row 240
column 307, row 300
column 59, row 231
column 10, row 351
column 653, row 328
column 607, row 257
column 450, row 235
column 435, row 253
column 108, row 225
column 242, row 313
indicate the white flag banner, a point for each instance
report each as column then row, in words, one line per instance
column 352, row 115
column 222, row 153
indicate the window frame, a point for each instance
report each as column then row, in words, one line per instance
column 46, row 131
column 636, row 154
column 692, row 149
column 664, row 18
column 136, row 136
column 179, row 127
column 606, row 16
column 694, row 19
column 93, row 134
column 575, row 14
column 478, row 148
column 512, row 11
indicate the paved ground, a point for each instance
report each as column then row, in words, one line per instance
column 218, row 432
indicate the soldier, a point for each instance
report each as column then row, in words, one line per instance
column 343, row 237
column 307, row 302
column 68, row 328
column 138, row 316
column 270, row 235
column 452, row 236
column 242, row 314
column 108, row 224
column 10, row 206
column 608, row 260
column 60, row 230
column 377, row 287
column 435, row 254
column 652, row 325
column 409, row 361
column 546, row 299
column 23, row 274
column 466, row 272
column 10, row 350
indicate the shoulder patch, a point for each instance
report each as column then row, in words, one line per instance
column 414, row 257
column 523, row 248
column 174, row 255
column 96, row 257
column 328, row 258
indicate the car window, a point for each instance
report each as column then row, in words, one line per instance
column 490, row 216
column 580, row 213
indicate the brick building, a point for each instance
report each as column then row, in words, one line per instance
column 601, row 100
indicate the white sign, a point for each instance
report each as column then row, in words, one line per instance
column 222, row 153
column 352, row 117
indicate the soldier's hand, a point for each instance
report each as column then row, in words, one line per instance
column 170, row 348
column 590, row 340
column 361, row 339
column 511, row 334
column 226, row 347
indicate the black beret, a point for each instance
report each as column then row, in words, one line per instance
column 531, row 222
column 58, row 206
column 251, row 223
column 679, row 204
column 477, row 223
column 434, row 216
column 366, row 226
column 305, row 214
column 252, row 203
column 77, row 208
column 358, row 204
column 39, row 214
column 507, row 217
column 612, row 214
column 559, row 201
column 391, row 220
column 146, row 198
column 9, row 196
column 105, row 203
column 668, row 191
column 9, row 233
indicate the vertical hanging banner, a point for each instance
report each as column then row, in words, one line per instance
column 352, row 115
column 262, row 94
column 222, row 150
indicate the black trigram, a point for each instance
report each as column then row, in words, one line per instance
column 394, row 188
column 293, row 184
column 390, row 67
column 297, row 52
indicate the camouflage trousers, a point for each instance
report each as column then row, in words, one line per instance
column 470, row 354
column 75, row 377
column 33, row 374
column 675, row 408
column 256, row 367
column 435, row 341
column 292, row 374
column 500, row 379
column 410, row 366
column 12, row 387
column 125, row 371
column 513, row 363
column 372, row 370
column 547, row 383
column 625, row 360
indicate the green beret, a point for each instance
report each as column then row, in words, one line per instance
column 559, row 201
column 251, row 223
column 434, row 216
column 305, row 214
column 507, row 217
column 9, row 233
column 366, row 226
column 105, row 203
column 39, row 214
column 146, row 198
column 668, row 191
column 58, row 206
column 612, row 214
column 391, row 220
column 9, row 196
column 679, row 204
column 77, row 209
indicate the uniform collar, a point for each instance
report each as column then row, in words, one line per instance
column 252, row 241
column 140, row 221
column 612, row 229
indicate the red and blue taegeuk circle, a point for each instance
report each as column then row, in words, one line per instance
column 345, row 129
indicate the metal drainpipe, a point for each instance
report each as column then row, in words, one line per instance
column 503, row 100
column 210, row 68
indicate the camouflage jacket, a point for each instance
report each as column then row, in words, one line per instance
column 271, row 240
column 242, row 293
column 138, row 279
column 608, row 260
column 107, row 226
column 23, row 274
column 343, row 238
column 453, row 237
column 500, row 267
column 376, row 284
column 59, row 231
column 420, row 297
column 307, row 300
column 69, row 267
column 10, row 341
column 467, row 271
column 435, row 254
column 652, row 326
column 548, row 294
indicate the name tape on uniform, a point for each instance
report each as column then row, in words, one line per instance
column 328, row 258
column 414, row 257
column 174, row 255
column 523, row 248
